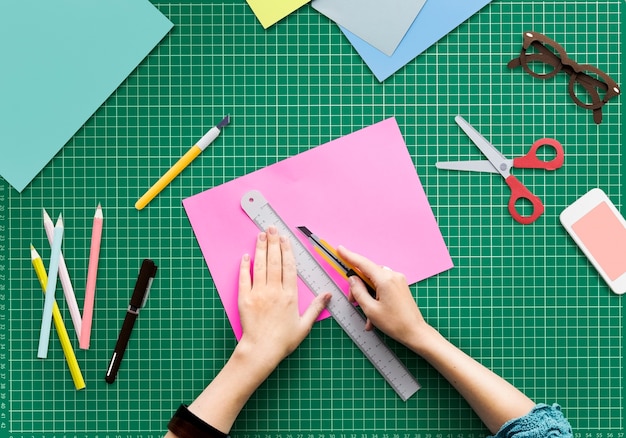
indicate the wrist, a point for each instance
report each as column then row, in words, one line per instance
column 424, row 338
column 222, row 400
column 186, row 424
column 258, row 362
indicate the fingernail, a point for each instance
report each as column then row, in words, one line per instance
column 272, row 230
column 351, row 281
column 246, row 257
column 262, row 237
column 283, row 239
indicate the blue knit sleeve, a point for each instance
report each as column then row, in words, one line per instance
column 541, row 421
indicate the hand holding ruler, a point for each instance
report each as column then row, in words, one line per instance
column 346, row 315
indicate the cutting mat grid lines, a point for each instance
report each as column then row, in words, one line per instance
column 521, row 299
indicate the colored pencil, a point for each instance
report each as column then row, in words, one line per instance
column 66, row 345
column 64, row 276
column 92, row 273
column 46, row 319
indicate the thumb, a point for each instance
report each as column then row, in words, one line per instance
column 359, row 293
column 315, row 308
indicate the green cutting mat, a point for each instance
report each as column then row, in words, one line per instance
column 521, row 299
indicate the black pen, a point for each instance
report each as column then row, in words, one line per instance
column 137, row 301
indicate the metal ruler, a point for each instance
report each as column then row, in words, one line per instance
column 346, row 315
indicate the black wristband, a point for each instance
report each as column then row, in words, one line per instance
column 186, row 424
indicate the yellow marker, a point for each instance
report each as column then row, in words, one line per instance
column 180, row 165
column 66, row 345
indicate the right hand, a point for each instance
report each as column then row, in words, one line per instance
column 394, row 311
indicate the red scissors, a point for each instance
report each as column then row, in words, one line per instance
column 498, row 163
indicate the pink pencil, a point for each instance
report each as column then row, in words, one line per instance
column 92, row 273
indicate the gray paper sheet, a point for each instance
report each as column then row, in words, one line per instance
column 380, row 24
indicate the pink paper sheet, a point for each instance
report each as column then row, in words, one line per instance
column 360, row 191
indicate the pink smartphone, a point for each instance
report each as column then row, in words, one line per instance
column 600, row 231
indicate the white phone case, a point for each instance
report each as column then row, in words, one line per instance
column 599, row 230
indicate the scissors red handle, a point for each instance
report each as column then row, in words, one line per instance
column 519, row 191
column 532, row 161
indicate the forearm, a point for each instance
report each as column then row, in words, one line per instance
column 493, row 399
column 223, row 399
column 272, row 329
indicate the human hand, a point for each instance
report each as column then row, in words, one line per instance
column 394, row 310
column 268, row 302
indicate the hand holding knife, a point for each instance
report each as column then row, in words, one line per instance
column 330, row 255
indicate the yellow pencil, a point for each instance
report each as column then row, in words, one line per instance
column 66, row 345
column 180, row 165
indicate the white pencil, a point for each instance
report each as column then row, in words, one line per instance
column 46, row 319
column 64, row 276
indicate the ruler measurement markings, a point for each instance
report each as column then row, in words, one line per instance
column 344, row 313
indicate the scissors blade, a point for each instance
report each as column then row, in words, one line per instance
column 473, row 166
column 499, row 161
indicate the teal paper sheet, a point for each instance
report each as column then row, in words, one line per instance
column 60, row 61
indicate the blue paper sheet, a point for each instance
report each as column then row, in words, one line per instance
column 61, row 60
column 436, row 19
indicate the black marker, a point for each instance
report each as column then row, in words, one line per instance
column 137, row 301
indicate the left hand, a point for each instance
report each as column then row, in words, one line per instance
column 268, row 302
column 272, row 329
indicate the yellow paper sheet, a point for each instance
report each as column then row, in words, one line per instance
column 271, row 11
